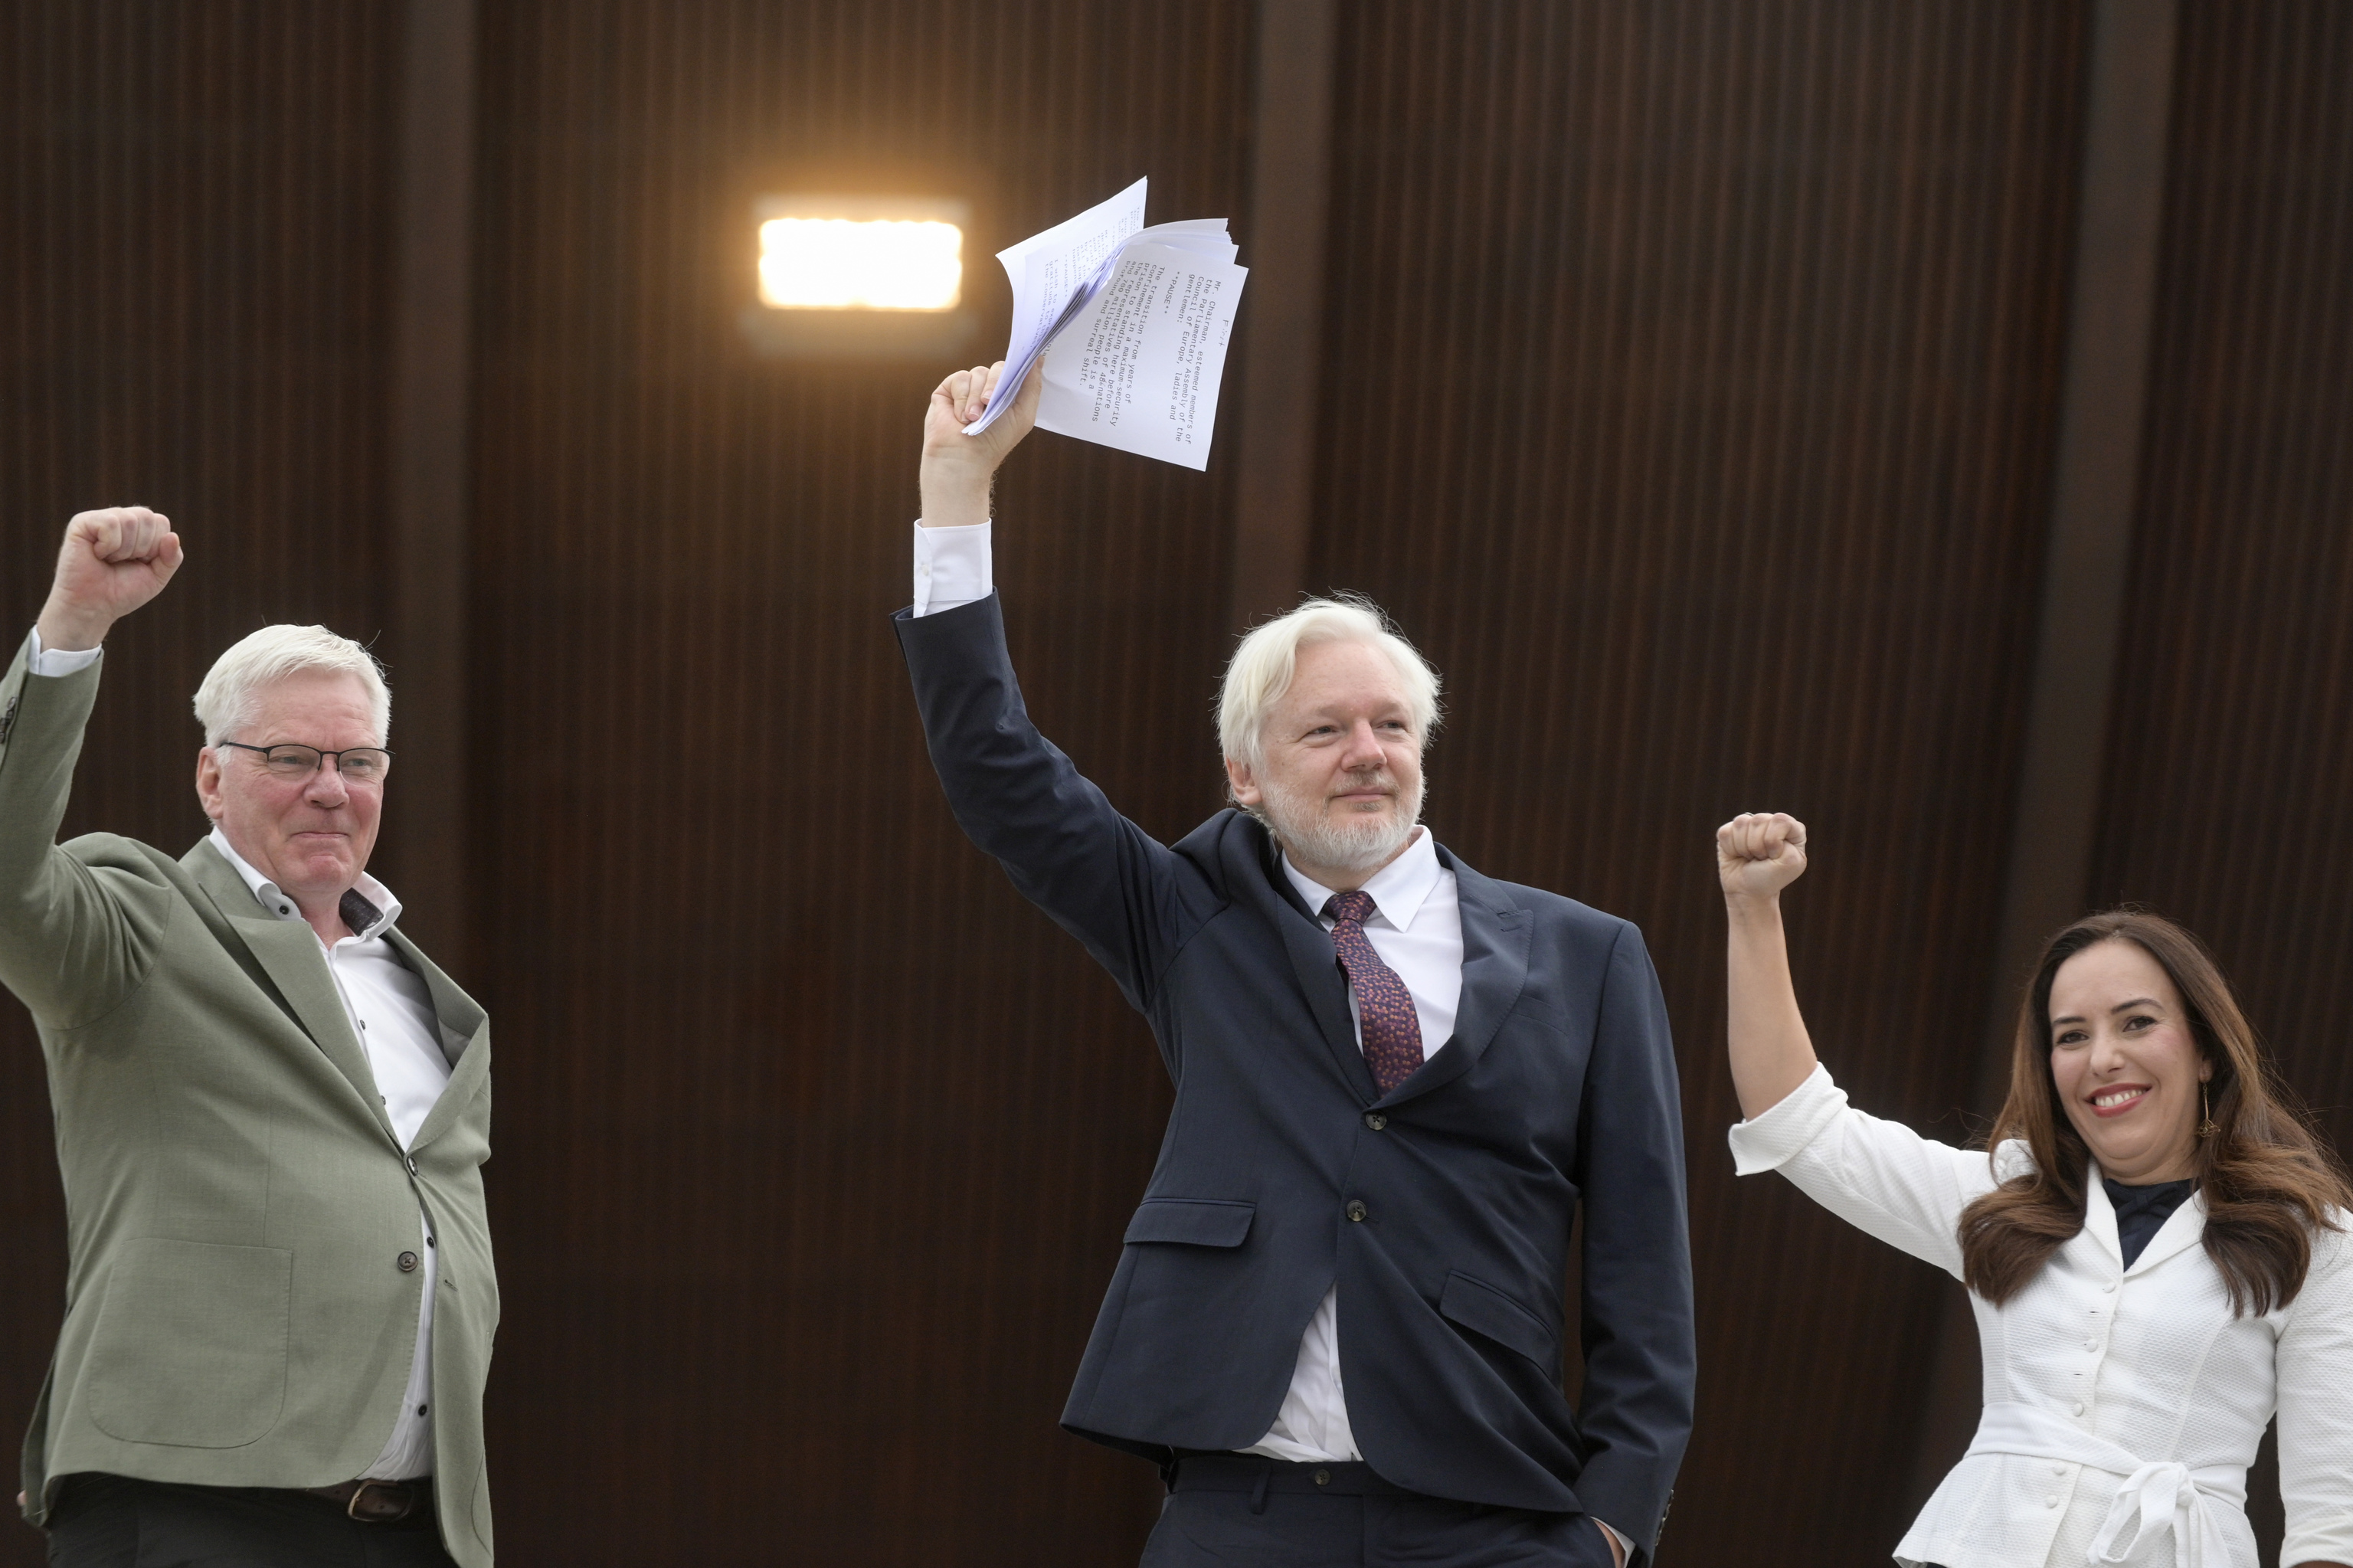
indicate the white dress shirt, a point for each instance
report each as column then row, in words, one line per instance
column 954, row 567
column 56, row 663
column 2123, row 1405
column 392, row 1013
column 1416, row 929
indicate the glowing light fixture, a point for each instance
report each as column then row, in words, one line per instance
column 861, row 253
column 850, row 277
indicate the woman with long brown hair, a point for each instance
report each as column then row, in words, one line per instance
column 2155, row 1243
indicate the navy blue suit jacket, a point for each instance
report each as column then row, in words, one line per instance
column 1558, row 1090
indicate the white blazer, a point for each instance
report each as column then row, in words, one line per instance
column 2122, row 1405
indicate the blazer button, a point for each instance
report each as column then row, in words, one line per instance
column 412, row 1165
column 408, row 1262
column 1322, row 1478
column 1375, row 1121
column 1356, row 1210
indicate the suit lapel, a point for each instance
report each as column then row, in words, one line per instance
column 288, row 953
column 1313, row 960
column 465, row 1034
column 1494, row 972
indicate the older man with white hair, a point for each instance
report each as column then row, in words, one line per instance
column 1340, row 1318
column 271, row 1114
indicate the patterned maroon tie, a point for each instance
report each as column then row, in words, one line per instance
column 1385, row 1014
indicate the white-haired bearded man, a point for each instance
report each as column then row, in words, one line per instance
column 271, row 1114
column 1338, row 1322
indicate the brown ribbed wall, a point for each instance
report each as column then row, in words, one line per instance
column 1694, row 373
column 193, row 249
column 2230, row 755
column 2226, row 800
column 1689, row 387
column 816, row 1142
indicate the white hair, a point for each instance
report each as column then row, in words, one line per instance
column 1262, row 668
column 224, row 703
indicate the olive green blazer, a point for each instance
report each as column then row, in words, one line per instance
column 236, row 1204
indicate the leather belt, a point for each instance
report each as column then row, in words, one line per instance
column 377, row 1503
column 1258, row 1475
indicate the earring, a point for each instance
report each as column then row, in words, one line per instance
column 2205, row 1113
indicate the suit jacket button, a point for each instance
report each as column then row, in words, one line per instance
column 1322, row 1478
column 408, row 1262
column 1375, row 1121
column 1356, row 1210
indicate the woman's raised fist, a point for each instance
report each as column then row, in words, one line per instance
column 1757, row 854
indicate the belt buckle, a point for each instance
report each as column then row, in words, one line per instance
column 407, row 1503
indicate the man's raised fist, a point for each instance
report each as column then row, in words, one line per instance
column 113, row 561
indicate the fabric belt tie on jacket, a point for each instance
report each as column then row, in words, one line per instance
column 2166, row 1496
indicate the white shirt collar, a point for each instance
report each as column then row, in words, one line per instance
column 1398, row 889
column 274, row 899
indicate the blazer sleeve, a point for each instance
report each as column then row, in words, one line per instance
column 2315, row 1364
column 74, row 939
column 1878, row 1176
column 1635, row 1411
column 1122, row 893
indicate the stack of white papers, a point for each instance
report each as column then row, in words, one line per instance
column 1132, row 324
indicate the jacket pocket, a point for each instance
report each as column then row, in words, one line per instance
column 1193, row 1222
column 1483, row 1310
column 189, row 1349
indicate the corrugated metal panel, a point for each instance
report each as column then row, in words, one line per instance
column 194, row 246
column 1694, row 369
column 1691, row 369
column 817, row 1142
column 192, row 250
column 2226, row 796
column 2231, row 761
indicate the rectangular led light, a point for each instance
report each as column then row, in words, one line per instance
column 861, row 253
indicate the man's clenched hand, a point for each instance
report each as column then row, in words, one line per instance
column 112, row 562
column 957, row 468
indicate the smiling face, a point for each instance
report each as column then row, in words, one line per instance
column 2125, row 1062
column 1338, row 774
column 310, row 835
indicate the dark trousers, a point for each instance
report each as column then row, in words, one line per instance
column 1249, row 1513
column 113, row 1521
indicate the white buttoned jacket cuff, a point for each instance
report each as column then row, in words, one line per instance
column 1771, row 1141
column 56, row 663
column 953, row 568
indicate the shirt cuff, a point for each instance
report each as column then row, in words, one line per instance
column 1771, row 1141
column 54, row 663
column 952, row 567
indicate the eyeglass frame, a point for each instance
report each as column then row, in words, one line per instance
column 323, row 753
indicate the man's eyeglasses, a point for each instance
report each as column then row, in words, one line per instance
column 360, row 765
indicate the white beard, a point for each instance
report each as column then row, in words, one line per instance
column 1364, row 845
